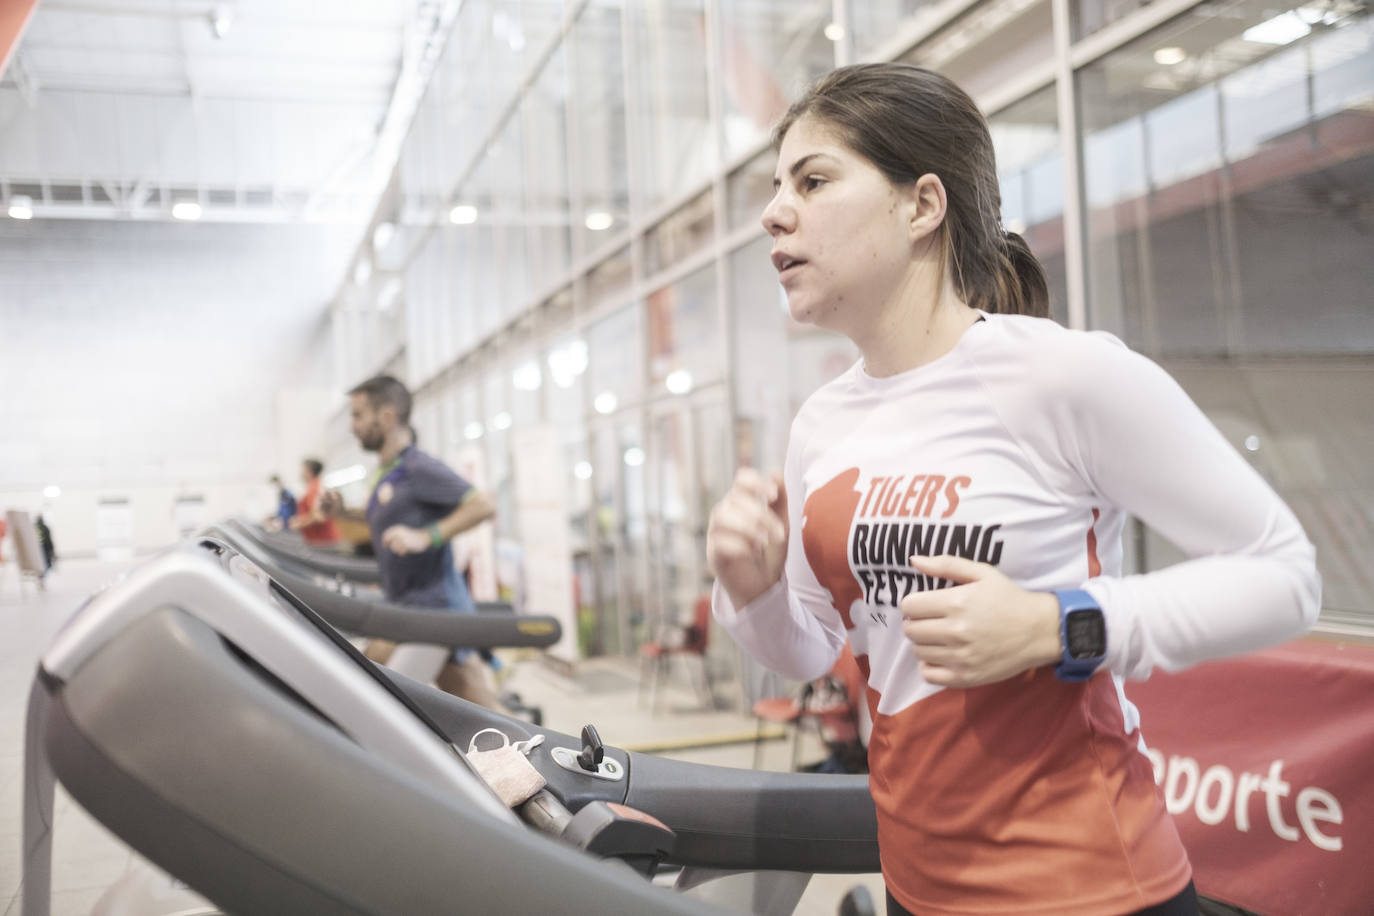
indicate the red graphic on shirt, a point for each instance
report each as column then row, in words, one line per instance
column 828, row 510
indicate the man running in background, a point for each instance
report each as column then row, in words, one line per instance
column 416, row 505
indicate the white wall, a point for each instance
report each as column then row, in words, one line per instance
column 158, row 359
column 72, row 516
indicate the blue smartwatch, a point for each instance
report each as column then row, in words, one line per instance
column 1082, row 633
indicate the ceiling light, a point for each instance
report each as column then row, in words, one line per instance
column 634, row 456
column 473, row 430
column 221, row 19
column 501, row 421
column 362, row 271
column 605, row 402
column 382, row 236
column 834, row 31
column 1252, row 443
column 527, row 377
column 583, row 470
column 678, row 381
column 186, row 209
column 1016, row 225
column 1167, row 57
column 21, row 207
column 599, row 220
column 567, row 362
column 52, row 491
column 1281, row 30
column 463, row 215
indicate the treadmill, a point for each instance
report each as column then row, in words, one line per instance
column 327, row 562
column 208, row 717
column 493, row 625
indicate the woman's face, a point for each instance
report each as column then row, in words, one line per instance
column 842, row 240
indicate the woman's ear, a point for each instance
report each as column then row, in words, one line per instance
column 928, row 212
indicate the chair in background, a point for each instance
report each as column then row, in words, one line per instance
column 688, row 642
column 830, row 704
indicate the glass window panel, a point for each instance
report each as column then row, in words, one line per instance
column 615, row 360
column 873, row 22
column 1219, row 189
column 684, row 334
column 993, row 43
column 546, row 194
column 770, row 52
column 1089, row 16
column 1025, row 137
column 674, row 147
column 758, row 311
column 508, row 214
column 611, row 278
column 749, row 188
column 597, row 129
column 685, row 232
column 496, row 398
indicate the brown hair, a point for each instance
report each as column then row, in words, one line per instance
column 386, row 391
column 909, row 121
column 314, row 466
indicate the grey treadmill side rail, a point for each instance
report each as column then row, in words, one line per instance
column 725, row 818
column 220, row 777
column 356, row 569
column 400, row 623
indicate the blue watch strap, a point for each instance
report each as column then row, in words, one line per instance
column 1071, row 669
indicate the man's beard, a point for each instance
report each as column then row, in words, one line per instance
column 373, row 441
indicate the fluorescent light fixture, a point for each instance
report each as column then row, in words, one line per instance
column 1167, row 57
column 634, row 456
column 463, row 215
column 52, row 491
column 599, row 220
column 186, row 209
column 834, row 31
column 382, row 236
column 473, row 430
column 1281, row 30
column 527, row 377
column 350, row 474
column 678, row 381
column 21, row 207
column 605, row 402
column 583, row 470
column 1252, row 443
column 362, row 271
column 501, row 421
column 567, row 362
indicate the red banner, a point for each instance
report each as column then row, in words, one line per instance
column 1267, row 764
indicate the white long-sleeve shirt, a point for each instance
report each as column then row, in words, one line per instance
column 1026, row 446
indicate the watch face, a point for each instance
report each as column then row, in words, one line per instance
column 1085, row 633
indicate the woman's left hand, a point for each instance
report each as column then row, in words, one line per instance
column 984, row 629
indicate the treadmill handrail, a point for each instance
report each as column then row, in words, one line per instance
column 354, row 569
column 402, row 623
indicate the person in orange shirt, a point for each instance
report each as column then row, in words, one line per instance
column 318, row 529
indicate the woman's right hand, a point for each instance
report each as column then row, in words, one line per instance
column 746, row 542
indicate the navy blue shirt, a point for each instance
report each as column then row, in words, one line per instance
column 417, row 490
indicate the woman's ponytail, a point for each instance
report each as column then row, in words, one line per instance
column 1022, row 288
